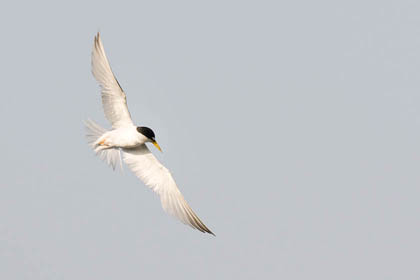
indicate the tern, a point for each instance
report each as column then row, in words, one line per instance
column 130, row 140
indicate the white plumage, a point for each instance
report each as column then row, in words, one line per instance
column 129, row 139
column 113, row 97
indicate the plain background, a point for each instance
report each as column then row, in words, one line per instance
column 291, row 127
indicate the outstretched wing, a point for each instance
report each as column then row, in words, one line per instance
column 113, row 97
column 146, row 167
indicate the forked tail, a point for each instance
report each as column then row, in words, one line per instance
column 112, row 156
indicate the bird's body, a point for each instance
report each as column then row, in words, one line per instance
column 123, row 137
column 130, row 140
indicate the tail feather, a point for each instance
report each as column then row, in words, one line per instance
column 111, row 156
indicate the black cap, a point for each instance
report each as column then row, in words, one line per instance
column 146, row 132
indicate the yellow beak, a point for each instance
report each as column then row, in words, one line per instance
column 157, row 145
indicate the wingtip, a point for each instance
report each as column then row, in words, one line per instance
column 207, row 230
column 97, row 39
column 96, row 43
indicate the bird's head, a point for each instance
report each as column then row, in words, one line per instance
column 149, row 134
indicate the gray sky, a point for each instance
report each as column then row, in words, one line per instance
column 291, row 128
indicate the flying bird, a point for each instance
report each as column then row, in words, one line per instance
column 128, row 141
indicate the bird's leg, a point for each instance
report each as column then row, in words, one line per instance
column 102, row 143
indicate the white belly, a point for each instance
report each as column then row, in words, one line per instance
column 126, row 137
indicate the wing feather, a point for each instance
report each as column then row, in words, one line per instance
column 114, row 100
column 157, row 177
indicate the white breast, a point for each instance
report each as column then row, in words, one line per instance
column 125, row 137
